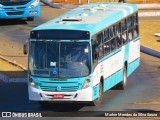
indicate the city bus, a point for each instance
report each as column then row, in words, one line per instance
column 13, row 9
column 83, row 53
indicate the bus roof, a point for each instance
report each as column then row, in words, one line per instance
column 90, row 17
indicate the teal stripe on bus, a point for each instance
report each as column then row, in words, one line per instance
column 133, row 66
column 112, row 80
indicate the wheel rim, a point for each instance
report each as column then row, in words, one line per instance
column 124, row 78
column 100, row 93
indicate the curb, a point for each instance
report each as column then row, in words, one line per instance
column 150, row 51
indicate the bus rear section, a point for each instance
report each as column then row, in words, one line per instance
column 10, row 9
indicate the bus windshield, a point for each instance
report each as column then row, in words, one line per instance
column 59, row 59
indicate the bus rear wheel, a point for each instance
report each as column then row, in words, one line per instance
column 122, row 85
column 99, row 99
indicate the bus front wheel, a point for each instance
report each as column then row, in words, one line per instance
column 99, row 99
column 122, row 85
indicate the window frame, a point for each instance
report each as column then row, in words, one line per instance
column 108, row 38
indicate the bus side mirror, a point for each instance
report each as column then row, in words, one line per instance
column 25, row 49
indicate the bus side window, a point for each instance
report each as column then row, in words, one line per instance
column 135, row 19
column 129, row 22
column 135, row 27
column 107, row 47
column 130, row 34
column 124, row 38
column 100, row 39
column 135, row 31
column 94, row 52
column 100, row 45
column 106, row 35
column 119, row 40
column 94, row 55
column 111, row 32
column 118, row 29
column 123, row 25
column 100, row 52
column 113, row 44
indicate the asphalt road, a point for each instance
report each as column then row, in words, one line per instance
column 142, row 93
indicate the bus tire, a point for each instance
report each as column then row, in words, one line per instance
column 99, row 99
column 122, row 85
column 30, row 18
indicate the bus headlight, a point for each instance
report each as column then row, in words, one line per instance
column 86, row 83
column 34, row 4
column 31, row 82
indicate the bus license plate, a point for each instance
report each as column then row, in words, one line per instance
column 58, row 96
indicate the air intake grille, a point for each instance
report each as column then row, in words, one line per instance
column 62, row 86
column 14, row 3
column 66, row 19
column 11, row 8
column 15, row 13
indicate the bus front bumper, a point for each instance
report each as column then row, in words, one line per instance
column 83, row 95
column 13, row 14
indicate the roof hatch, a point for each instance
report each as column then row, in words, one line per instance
column 72, row 19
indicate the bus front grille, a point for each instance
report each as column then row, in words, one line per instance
column 12, row 8
column 59, row 86
column 14, row 3
column 15, row 13
column 63, row 89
